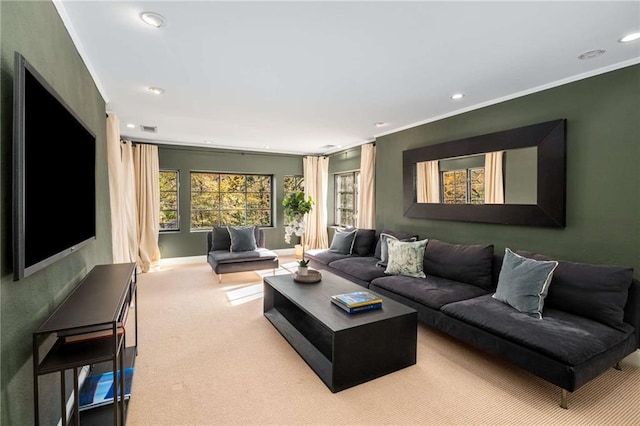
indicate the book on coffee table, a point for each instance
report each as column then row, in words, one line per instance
column 357, row 299
column 362, row 308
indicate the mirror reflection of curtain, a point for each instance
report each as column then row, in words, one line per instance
column 367, row 190
column 493, row 178
column 316, row 175
column 428, row 182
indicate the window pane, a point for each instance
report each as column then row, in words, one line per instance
column 168, row 181
column 223, row 199
column 258, row 183
column 234, row 200
column 232, row 183
column 258, row 217
column 233, row 217
column 258, row 200
column 293, row 183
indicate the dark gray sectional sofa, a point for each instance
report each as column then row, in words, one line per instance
column 591, row 318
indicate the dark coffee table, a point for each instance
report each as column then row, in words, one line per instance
column 343, row 349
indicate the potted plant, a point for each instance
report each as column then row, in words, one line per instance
column 296, row 206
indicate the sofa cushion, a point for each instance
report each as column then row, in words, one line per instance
column 568, row 338
column 324, row 256
column 384, row 247
column 363, row 268
column 221, row 238
column 342, row 241
column 363, row 242
column 243, row 238
column 524, row 282
column 224, row 256
column 598, row 292
column 405, row 258
column 398, row 235
column 431, row 291
column 469, row 264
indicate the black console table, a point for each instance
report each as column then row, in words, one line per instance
column 89, row 328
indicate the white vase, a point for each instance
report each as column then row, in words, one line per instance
column 303, row 270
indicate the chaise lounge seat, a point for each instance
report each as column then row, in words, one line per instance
column 225, row 261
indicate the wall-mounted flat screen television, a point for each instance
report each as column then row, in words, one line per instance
column 54, row 191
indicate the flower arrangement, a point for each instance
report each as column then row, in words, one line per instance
column 296, row 206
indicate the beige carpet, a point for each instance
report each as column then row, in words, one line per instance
column 207, row 356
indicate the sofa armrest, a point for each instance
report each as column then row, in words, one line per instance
column 632, row 308
column 209, row 241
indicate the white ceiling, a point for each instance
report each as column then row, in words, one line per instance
column 298, row 76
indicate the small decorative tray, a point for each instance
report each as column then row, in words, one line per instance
column 312, row 276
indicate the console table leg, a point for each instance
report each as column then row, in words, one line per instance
column 63, row 393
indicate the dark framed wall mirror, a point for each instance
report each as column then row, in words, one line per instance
column 512, row 177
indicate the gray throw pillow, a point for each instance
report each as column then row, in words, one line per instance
column 523, row 283
column 342, row 241
column 221, row 239
column 384, row 250
column 243, row 238
column 598, row 292
column 405, row 258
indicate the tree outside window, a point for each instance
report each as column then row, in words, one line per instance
column 230, row 199
column 346, row 204
column 169, row 215
column 293, row 183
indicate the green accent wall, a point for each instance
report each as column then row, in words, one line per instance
column 603, row 177
column 35, row 30
column 188, row 159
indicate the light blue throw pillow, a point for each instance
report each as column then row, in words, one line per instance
column 523, row 283
column 243, row 238
column 406, row 258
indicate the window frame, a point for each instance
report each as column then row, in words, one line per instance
column 177, row 192
column 219, row 210
column 467, row 185
column 338, row 216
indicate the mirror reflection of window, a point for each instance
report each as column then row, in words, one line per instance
column 501, row 177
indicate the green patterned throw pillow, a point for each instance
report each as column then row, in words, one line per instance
column 406, row 258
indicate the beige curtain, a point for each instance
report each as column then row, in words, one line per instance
column 147, row 190
column 493, row 179
column 367, row 192
column 316, row 175
column 428, row 182
column 121, row 195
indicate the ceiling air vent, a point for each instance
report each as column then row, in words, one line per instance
column 328, row 146
column 149, row 129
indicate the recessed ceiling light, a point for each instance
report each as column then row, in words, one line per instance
column 156, row 90
column 591, row 54
column 153, row 19
column 131, row 126
column 379, row 124
column 457, row 96
column 630, row 37
column 267, row 147
column 208, row 142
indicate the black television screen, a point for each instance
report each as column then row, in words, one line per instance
column 54, row 198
